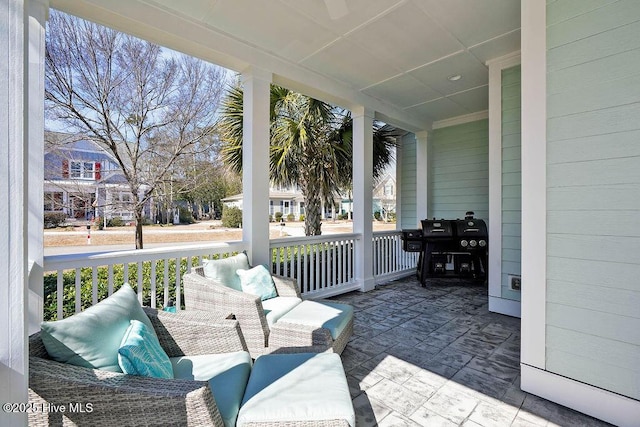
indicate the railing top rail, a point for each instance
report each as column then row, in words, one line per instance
column 290, row 241
column 56, row 262
column 387, row 233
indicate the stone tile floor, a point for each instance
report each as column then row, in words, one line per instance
column 435, row 356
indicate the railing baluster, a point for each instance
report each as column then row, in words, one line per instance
column 166, row 282
column 140, row 282
column 78, row 292
column 94, row 285
column 178, row 280
column 110, row 279
column 125, row 272
column 60, row 294
column 153, row 283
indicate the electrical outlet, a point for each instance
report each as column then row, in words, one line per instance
column 514, row 282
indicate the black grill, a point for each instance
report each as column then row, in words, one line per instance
column 449, row 247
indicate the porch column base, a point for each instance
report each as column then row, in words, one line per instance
column 367, row 284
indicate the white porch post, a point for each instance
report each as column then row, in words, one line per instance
column 398, row 188
column 422, row 176
column 534, row 185
column 14, row 263
column 38, row 14
column 255, row 164
column 363, row 196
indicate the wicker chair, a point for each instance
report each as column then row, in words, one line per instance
column 205, row 294
column 109, row 398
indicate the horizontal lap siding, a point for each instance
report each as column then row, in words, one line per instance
column 593, row 193
column 511, row 179
column 408, row 183
column 459, row 171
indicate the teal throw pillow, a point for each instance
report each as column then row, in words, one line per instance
column 258, row 281
column 92, row 337
column 223, row 270
column 141, row 354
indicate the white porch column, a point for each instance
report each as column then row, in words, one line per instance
column 38, row 15
column 363, row 196
column 255, row 164
column 422, row 176
column 398, row 189
column 534, row 185
column 14, row 263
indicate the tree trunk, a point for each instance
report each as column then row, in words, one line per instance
column 138, row 215
column 312, row 221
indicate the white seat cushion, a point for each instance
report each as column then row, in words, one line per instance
column 295, row 388
column 329, row 315
column 227, row 374
column 275, row 308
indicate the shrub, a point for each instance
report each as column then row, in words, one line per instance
column 54, row 219
column 99, row 223
column 115, row 222
column 377, row 216
column 301, row 218
column 186, row 217
column 231, row 217
column 278, row 216
column 290, row 217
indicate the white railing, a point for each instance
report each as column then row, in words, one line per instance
column 389, row 260
column 322, row 265
column 152, row 272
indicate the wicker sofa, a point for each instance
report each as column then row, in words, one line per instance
column 278, row 390
column 289, row 333
column 111, row 398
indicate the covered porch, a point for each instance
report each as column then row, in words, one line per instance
column 520, row 140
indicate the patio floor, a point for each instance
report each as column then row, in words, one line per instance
column 436, row 356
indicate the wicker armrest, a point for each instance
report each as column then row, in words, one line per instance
column 205, row 294
column 299, row 338
column 196, row 332
column 286, row 286
column 107, row 398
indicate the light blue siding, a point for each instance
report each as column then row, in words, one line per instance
column 408, row 184
column 593, row 188
column 511, row 179
column 459, row 171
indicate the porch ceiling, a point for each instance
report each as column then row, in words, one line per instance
column 392, row 56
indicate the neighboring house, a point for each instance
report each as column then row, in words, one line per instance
column 285, row 200
column 291, row 201
column 384, row 196
column 83, row 180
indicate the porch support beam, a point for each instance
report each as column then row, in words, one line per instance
column 422, row 176
column 534, row 184
column 255, row 164
column 38, row 15
column 14, row 263
column 398, row 188
column 363, row 196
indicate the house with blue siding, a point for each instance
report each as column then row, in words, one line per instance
column 526, row 112
column 83, row 180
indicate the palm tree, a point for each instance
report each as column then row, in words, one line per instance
column 311, row 146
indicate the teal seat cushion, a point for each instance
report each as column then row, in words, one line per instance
column 227, row 374
column 224, row 270
column 275, row 308
column 297, row 388
column 140, row 353
column 92, row 337
column 329, row 315
column 257, row 281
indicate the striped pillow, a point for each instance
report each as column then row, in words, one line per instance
column 140, row 353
